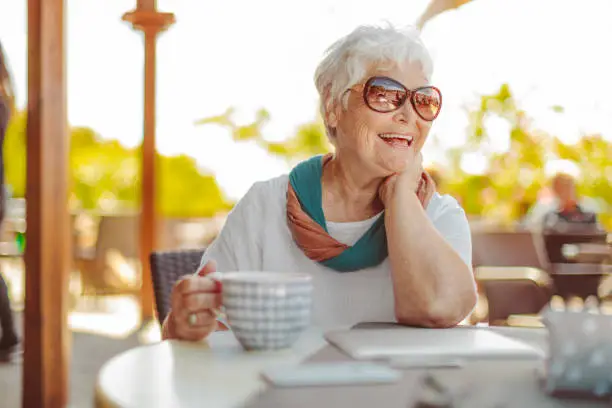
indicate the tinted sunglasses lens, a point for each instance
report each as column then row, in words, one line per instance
column 384, row 95
column 427, row 102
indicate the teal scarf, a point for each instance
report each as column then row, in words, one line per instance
column 305, row 181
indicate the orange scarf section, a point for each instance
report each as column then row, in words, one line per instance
column 314, row 241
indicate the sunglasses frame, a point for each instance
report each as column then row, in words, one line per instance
column 409, row 96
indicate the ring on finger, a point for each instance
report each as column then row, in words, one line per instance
column 192, row 319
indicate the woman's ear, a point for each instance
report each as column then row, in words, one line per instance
column 331, row 122
column 332, row 119
column 331, row 114
column 330, row 111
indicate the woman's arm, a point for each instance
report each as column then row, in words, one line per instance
column 433, row 285
column 235, row 248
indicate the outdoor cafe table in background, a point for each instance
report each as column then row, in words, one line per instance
column 579, row 279
column 220, row 374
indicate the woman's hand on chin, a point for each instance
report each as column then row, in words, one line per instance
column 410, row 179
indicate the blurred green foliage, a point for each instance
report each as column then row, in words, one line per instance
column 309, row 139
column 105, row 176
column 513, row 178
column 104, row 173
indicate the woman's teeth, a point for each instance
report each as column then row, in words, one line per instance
column 396, row 139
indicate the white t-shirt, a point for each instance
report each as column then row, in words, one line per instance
column 256, row 237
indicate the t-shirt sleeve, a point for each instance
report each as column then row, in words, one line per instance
column 237, row 245
column 453, row 225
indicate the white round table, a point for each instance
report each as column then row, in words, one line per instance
column 215, row 373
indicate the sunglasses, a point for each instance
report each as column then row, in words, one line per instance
column 383, row 94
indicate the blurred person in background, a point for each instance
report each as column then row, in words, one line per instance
column 565, row 210
column 568, row 211
column 9, row 339
column 366, row 221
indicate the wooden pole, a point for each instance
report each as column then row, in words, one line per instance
column 151, row 23
column 148, row 216
column 46, row 342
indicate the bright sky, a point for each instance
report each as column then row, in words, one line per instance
column 252, row 54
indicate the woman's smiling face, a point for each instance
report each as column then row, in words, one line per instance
column 381, row 141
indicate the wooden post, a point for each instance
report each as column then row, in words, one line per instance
column 151, row 22
column 47, row 345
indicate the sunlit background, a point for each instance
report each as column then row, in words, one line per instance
column 526, row 94
column 526, row 86
column 250, row 55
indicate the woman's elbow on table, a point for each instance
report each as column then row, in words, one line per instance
column 439, row 315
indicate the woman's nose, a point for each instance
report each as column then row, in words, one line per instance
column 406, row 113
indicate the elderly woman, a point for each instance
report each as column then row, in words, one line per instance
column 365, row 221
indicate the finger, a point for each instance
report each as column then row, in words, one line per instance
column 196, row 284
column 197, row 327
column 190, row 285
column 176, row 298
column 386, row 187
column 426, row 191
column 196, row 302
column 430, row 181
column 208, row 319
column 203, row 318
column 421, row 193
column 196, row 333
column 210, row 267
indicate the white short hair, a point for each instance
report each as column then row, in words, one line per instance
column 348, row 60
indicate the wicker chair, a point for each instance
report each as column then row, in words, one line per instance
column 166, row 268
column 116, row 246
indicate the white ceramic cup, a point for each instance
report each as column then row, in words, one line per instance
column 266, row 310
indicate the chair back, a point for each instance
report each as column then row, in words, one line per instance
column 119, row 233
column 513, row 291
column 507, row 248
column 514, row 297
column 166, row 268
column 102, row 271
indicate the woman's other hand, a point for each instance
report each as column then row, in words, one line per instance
column 195, row 300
